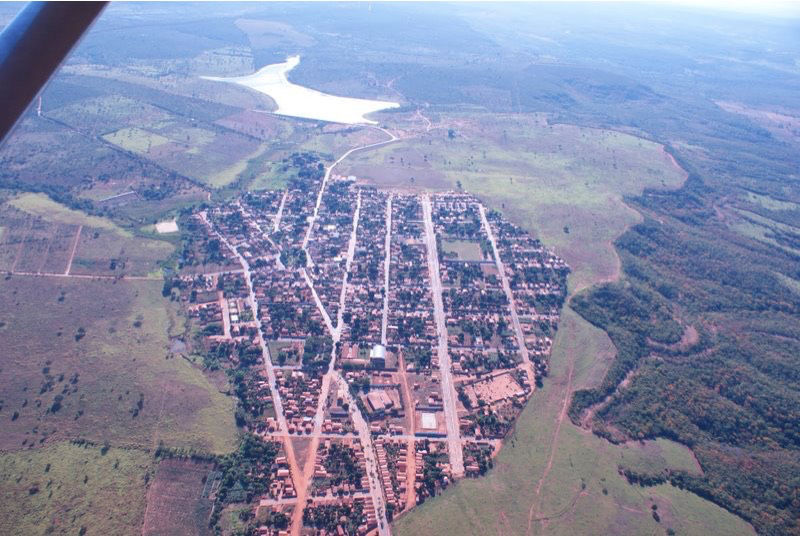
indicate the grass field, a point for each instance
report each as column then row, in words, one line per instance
column 136, row 140
column 231, row 173
column 210, row 155
column 103, row 114
column 64, row 488
column 103, row 248
column 175, row 501
column 43, row 206
column 463, row 250
column 335, row 140
column 137, row 256
column 89, row 359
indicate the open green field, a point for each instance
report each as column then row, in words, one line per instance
column 175, row 502
column 212, row 156
column 107, row 253
column 49, row 231
column 562, row 182
column 463, row 250
column 226, row 176
column 65, row 488
column 107, row 113
column 136, row 140
column 89, row 359
column 43, row 206
column 335, row 140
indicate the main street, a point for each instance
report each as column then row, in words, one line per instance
column 448, row 388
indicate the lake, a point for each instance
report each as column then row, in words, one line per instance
column 298, row 101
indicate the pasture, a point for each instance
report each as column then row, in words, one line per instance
column 66, row 488
column 211, row 155
column 50, row 238
column 89, row 359
column 177, row 499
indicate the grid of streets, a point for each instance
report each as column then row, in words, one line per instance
column 383, row 342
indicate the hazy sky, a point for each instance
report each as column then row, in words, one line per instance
column 780, row 8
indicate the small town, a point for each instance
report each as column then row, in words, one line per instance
column 380, row 343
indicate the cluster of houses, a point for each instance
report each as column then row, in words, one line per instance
column 393, row 466
column 365, row 292
column 386, row 334
column 299, row 392
column 330, row 240
column 337, row 417
column 340, row 469
column 479, row 326
column 433, row 471
column 411, row 326
column 281, row 485
column 538, row 280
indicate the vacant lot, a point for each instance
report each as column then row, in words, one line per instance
column 463, row 250
column 65, row 488
column 47, row 237
column 107, row 253
column 89, row 359
column 176, row 502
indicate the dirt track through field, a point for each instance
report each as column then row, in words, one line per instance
column 536, row 505
column 74, row 249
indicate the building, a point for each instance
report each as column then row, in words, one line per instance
column 377, row 357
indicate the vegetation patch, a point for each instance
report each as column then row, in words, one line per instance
column 73, row 488
column 463, row 250
column 90, row 359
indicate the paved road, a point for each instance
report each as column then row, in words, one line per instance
column 386, row 264
column 373, row 469
column 510, row 296
column 448, row 388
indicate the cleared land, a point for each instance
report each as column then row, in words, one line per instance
column 89, row 359
column 65, row 488
column 43, row 206
column 48, row 237
column 177, row 500
column 463, row 250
